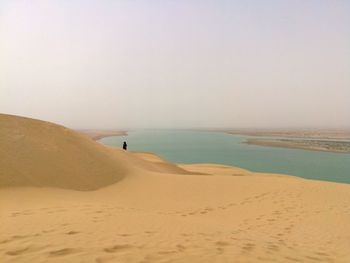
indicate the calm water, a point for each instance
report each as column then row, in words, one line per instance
column 215, row 147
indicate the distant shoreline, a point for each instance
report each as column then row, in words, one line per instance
column 312, row 145
column 327, row 134
column 99, row 134
column 323, row 140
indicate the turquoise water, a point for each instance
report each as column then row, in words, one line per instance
column 216, row 147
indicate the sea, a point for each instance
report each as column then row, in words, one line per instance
column 188, row 147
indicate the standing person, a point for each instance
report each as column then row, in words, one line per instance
column 125, row 146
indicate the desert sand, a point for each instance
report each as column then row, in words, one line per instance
column 67, row 198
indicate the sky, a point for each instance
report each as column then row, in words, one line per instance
column 128, row 64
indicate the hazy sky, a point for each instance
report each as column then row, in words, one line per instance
column 174, row 64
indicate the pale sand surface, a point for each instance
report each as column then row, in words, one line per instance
column 155, row 211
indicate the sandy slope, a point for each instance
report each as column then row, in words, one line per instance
column 38, row 153
column 158, row 213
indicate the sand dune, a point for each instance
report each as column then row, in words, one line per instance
column 159, row 212
column 38, row 153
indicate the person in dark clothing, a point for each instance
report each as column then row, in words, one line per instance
column 125, row 146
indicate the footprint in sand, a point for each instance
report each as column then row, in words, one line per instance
column 48, row 231
column 5, row 241
column 180, row 247
column 222, row 243
column 104, row 259
column 248, row 247
column 150, row 232
column 72, row 233
column 19, row 237
column 273, row 247
column 117, row 248
column 293, row 259
column 167, row 252
column 17, row 252
column 63, row 252
column 21, row 251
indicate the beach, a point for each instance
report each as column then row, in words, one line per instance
column 137, row 207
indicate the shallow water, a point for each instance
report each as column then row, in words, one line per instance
column 216, row 147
